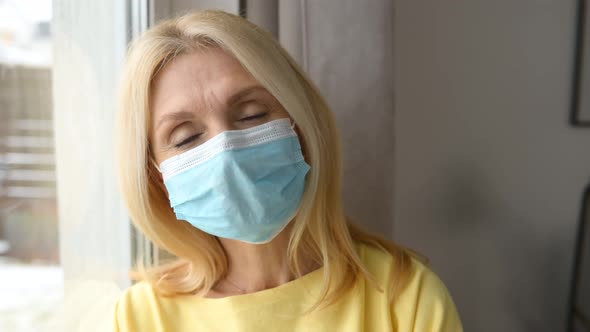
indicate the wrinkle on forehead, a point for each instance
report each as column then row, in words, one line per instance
column 208, row 84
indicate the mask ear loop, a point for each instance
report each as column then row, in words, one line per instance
column 155, row 165
column 159, row 175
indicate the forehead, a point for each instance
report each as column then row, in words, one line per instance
column 199, row 79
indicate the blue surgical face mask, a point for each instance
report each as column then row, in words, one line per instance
column 241, row 184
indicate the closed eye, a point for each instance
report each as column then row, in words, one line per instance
column 187, row 140
column 254, row 117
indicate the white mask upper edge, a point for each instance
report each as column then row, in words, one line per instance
column 225, row 141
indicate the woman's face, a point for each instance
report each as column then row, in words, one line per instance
column 199, row 95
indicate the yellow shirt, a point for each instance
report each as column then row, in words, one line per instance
column 424, row 306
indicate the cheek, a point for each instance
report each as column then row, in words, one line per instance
column 157, row 155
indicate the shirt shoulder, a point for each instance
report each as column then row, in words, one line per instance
column 136, row 308
column 434, row 308
column 425, row 304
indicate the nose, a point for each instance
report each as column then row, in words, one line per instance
column 219, row 124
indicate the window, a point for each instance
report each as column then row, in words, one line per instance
column 32, row 279
column 66, row 243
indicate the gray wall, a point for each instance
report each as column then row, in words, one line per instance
column 169, row 8
column 352, row 63
column 488, row 174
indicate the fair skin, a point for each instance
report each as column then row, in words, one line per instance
column 194, row 98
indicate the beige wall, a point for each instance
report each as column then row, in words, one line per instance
column 488, row 172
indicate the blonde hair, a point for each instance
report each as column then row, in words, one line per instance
column 321, row 231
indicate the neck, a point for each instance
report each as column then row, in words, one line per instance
column 256, row 267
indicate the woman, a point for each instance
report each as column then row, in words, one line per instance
column 230, row 161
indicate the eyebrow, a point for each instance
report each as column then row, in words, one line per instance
column 180, row 115
column 233, row 99
column 244, row 92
